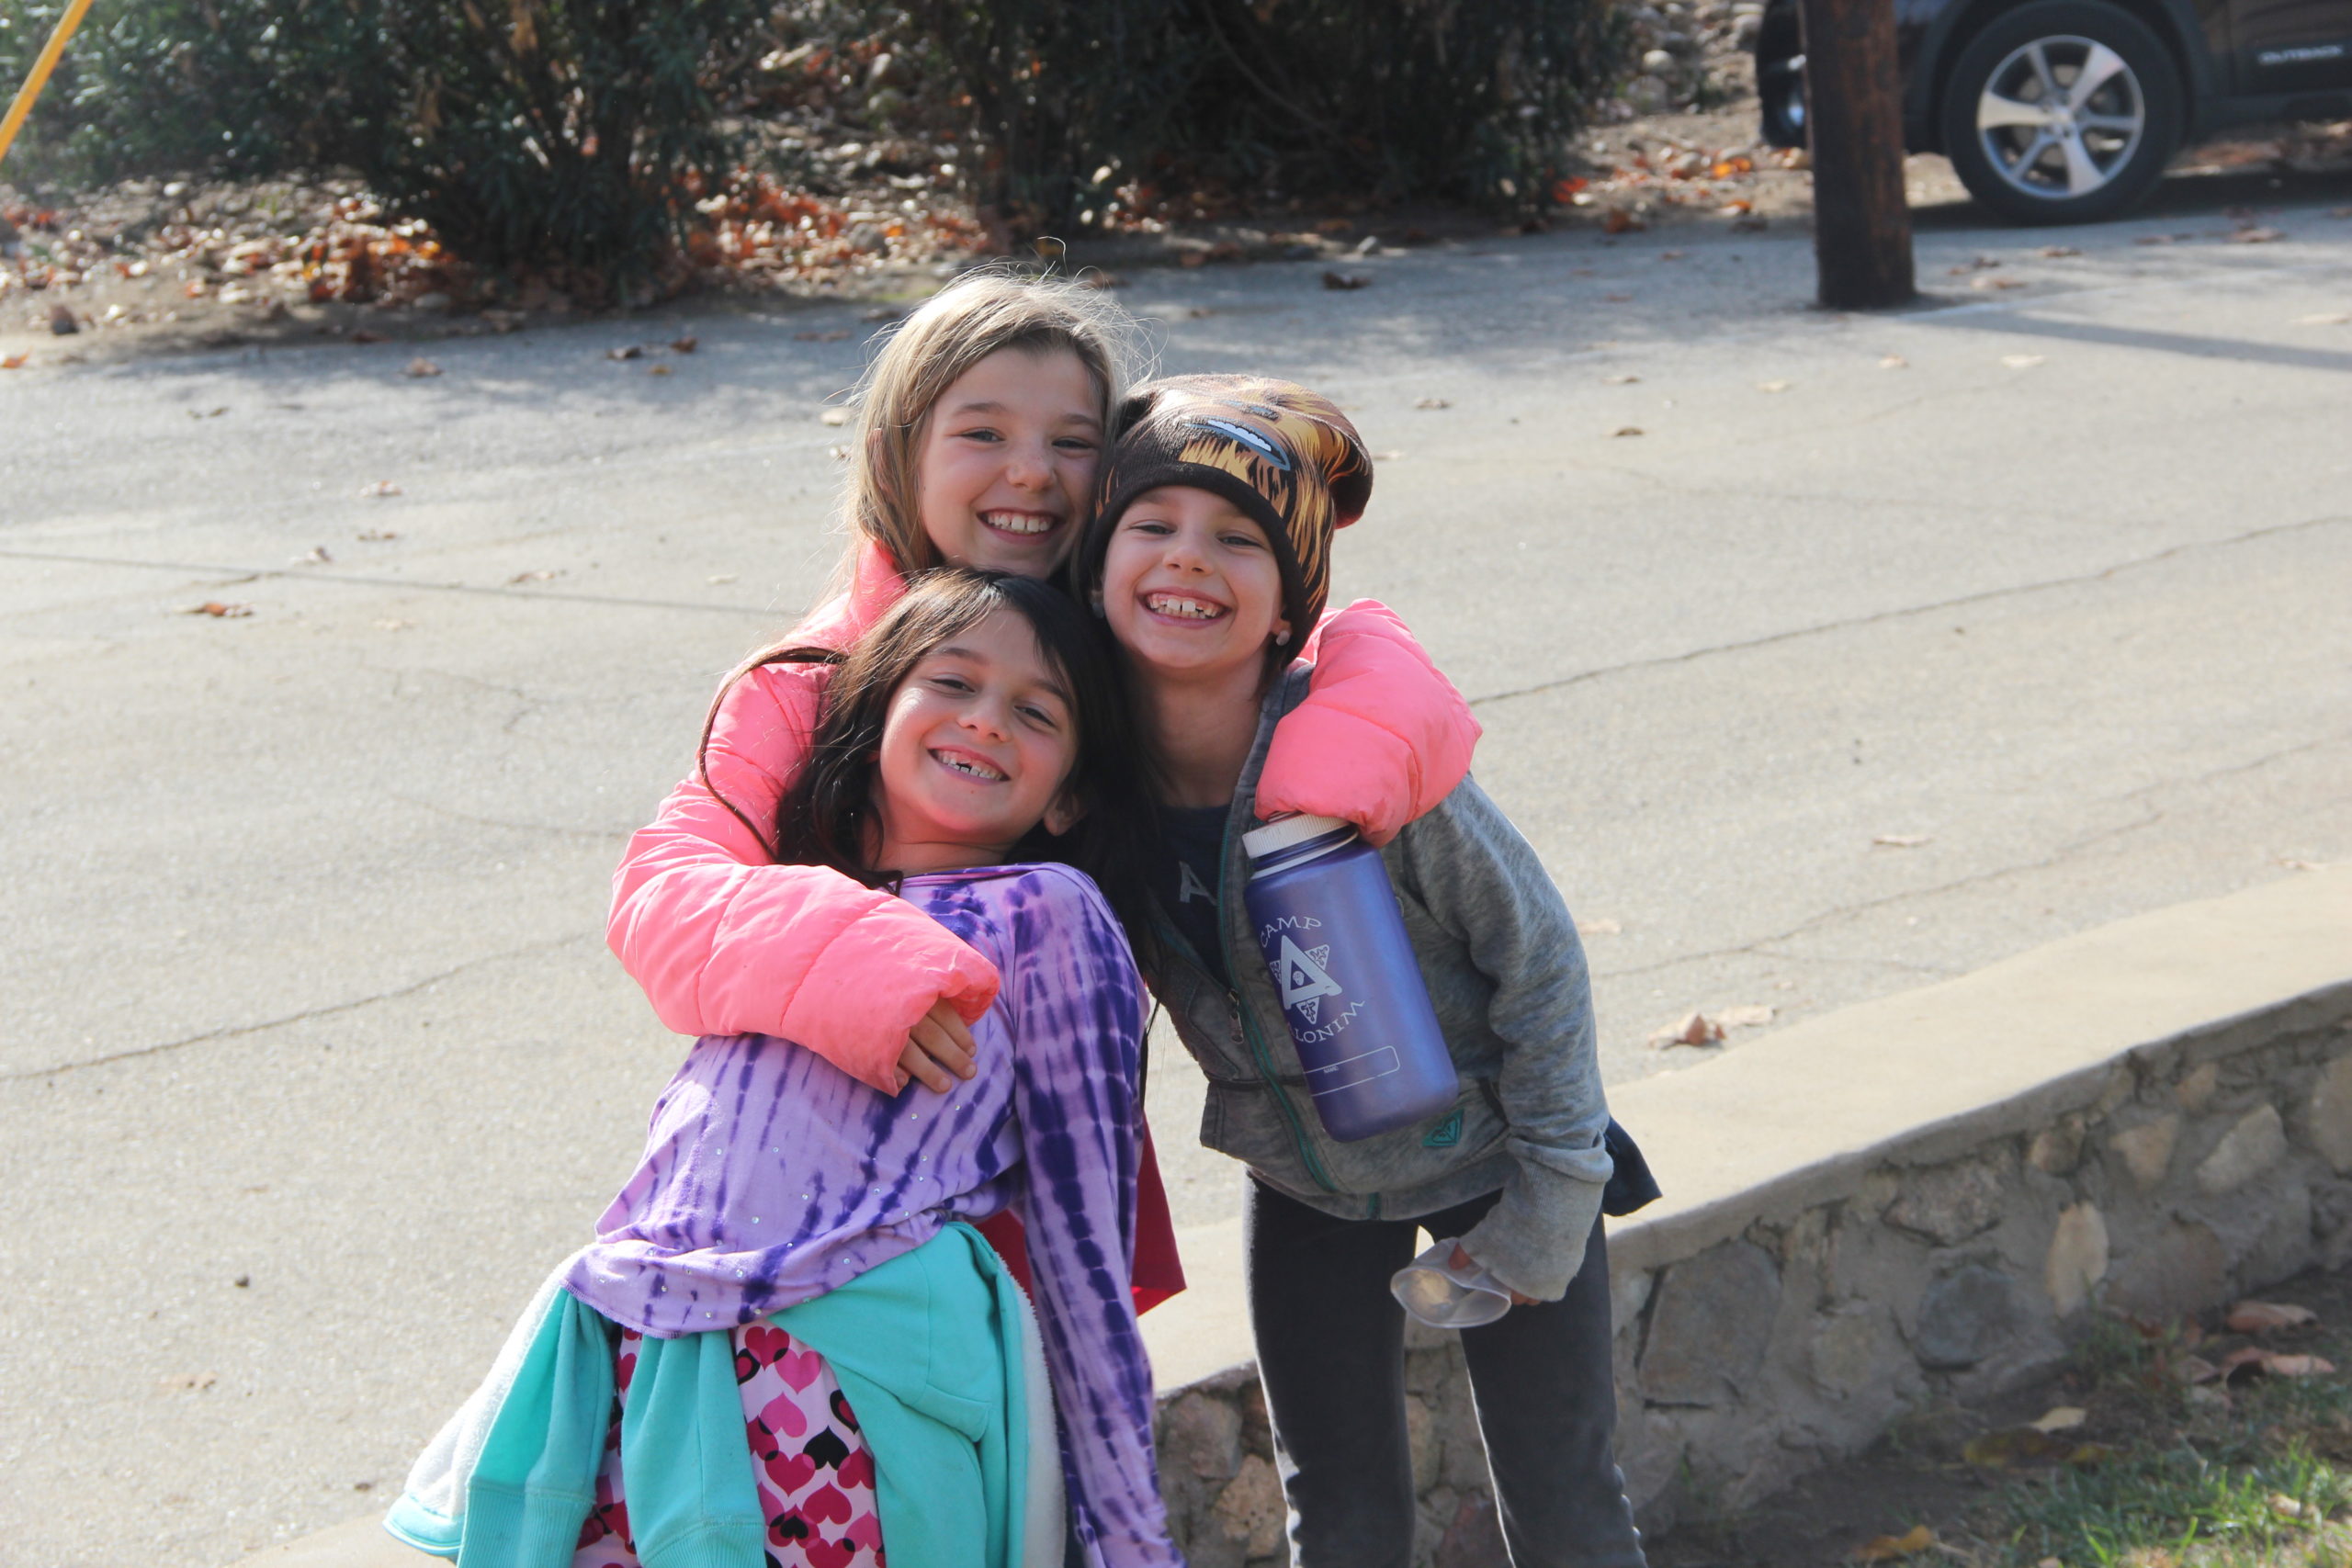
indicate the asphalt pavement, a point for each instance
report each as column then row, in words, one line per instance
column 1820, row 656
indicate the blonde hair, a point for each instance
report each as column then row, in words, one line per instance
column 977, row 315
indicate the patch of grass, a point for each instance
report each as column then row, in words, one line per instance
column 2180, row 1506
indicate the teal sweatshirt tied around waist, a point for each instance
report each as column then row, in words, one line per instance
column 927, row 1349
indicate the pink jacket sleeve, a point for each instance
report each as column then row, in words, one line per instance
column 1382, row 736
column 726, row 941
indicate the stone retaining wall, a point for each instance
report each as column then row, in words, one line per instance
column 1781, row 1320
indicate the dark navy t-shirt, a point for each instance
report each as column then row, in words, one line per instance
column 1191, row 847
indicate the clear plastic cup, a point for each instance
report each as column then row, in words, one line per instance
column 1434, row 1290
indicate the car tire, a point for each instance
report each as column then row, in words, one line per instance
column 2028, row 145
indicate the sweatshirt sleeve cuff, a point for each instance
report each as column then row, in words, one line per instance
column 1533, row 1239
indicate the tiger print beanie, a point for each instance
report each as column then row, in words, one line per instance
column 1285, row 457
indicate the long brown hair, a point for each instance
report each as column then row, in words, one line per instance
column 826, row 815
column 979, row 314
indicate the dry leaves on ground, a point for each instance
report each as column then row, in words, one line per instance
column 1692, row 1029
column 1887, row 1548
column 219, row 610
column 1901, row 840
column 2258, row 1317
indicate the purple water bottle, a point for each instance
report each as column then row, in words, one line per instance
column 1328, row 923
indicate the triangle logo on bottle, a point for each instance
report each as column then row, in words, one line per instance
column 1304, row 980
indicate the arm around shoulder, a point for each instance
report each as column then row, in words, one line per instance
column 1382, row 736
column 724, row 940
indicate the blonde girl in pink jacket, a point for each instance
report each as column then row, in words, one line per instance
column 979, row 427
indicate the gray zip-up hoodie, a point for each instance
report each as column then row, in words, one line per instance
column 1499, row 955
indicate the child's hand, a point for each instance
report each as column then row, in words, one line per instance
column 1462, row 1261
column 940, row 1041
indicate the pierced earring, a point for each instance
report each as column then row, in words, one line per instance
column 1281, row 637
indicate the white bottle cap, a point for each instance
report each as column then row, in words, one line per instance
column 1259, row 842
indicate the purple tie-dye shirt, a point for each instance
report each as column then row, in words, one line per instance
column 771, row 1177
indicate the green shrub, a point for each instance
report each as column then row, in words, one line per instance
column 1461, row 100
column 568, row 137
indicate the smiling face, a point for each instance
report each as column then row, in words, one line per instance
column 1190, row 586
column 977, row 745
column 1006, row 465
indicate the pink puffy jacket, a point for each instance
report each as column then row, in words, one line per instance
column 726, row 942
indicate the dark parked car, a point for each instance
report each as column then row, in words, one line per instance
column 2062, row 111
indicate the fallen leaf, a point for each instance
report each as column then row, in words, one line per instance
column 1628, row 430
column 2256, row 236
column 1346, row 280
column 2260, row 1318
column 208, row 414
column 2015, row 1445
column 522, row 577
column 684, row 344
column 1894, row 362
column 632, row 351
column 819, row 337
column 1692, row 1029
column 420, row 365
column 2253, row 1357
column 659, row 370
column 1625, row 381
column 2195, row 1370
column 2285, row 1507
column 1903, row 841
column 13, row 361
column 1773, row 386
column 2059, row 1418
column 218, row 610
column 1747, row 1015
column 1598, row 928
column 380, row 488
column 1887, row 1548
column 376, row 536
column 2302, row 864
column 189, row 1381
column 2055, row 251
column 317, row 556
column 1434, row 403
column 2324, row 319
column 1988, row 282
column 2022, row 361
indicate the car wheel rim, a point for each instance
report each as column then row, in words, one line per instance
column 2061, row 116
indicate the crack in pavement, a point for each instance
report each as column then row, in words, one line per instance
column 608, row 835
column 1905, row 613
column 2149, row 818
column 419, row 585
column 233, row 1030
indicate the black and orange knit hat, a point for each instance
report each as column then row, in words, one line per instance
column 1286, row 457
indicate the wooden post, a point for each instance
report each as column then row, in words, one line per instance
column 1853, row 92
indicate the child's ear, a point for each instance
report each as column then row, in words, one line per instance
column 1064, row 813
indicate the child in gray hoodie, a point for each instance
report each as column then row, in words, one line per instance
column 1207, row 557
